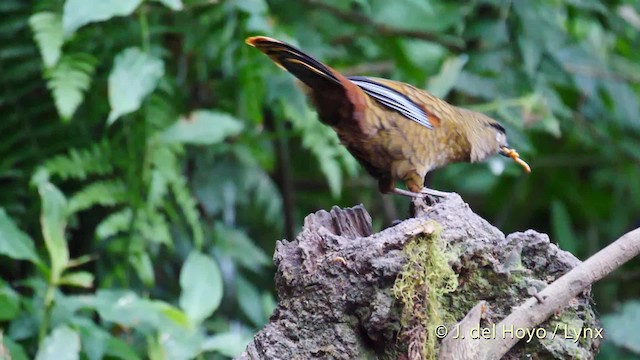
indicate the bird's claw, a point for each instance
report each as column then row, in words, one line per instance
column 436, row 193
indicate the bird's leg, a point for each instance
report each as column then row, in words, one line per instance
column 407, row 193
column 415, row 184
column 423, row 192
column 432, row 192
column 416, row 189
column 386, row 185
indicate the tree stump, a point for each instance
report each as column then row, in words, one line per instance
column 345, row 293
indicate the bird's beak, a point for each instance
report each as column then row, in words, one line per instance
column 511, row 153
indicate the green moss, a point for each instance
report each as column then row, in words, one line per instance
column 421, row 287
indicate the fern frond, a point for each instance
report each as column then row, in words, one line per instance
column 266, row 194
column 157, row 189
column 164, row 159
column 80, row 163
column 153, row 226
column 105, row 193
column 68, row 81
column 47, row 32
column 320, row 140
column 115, row 223
column 189, row 207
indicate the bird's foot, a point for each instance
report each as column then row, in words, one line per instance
column 407, row 193
column 422, row 194
column 436, row 193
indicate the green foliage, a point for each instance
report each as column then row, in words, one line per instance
column 202, row 128
column 53, row 221
column 200, row 279
column 13, row 242
column 621, row 327
column 62, row 344
column 78, row 13
column 47, row 32
column 78, row 164
column 134, row 76
column 69, row 80
column 216, row 147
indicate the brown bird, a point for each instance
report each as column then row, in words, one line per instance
column 395, row 130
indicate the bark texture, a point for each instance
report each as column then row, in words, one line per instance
column 336, row 295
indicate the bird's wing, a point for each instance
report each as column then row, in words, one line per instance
column 393, row 99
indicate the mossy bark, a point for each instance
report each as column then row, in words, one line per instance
column 343, row 292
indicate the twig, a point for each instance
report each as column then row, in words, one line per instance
column 450, row 42
column 561, row 291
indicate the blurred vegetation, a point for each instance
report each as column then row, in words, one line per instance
column 149, row 159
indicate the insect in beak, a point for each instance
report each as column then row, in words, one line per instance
column 511, row 153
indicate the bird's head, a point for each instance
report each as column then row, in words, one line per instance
column 487, row 137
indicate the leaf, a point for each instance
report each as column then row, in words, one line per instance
column 134, row 76
column 237, row 244
column 202, row 128
column 250, row 302
column 94, row 339
column 476, row 85
column 621, row 327
column 120, row 350
column 115, row 223
column 9, row 304
column 69, row 80
column 630, row 15
column 154, row 227
column 441, row 84
column 62, row 344
column 180, row 344
column 176, row 315
column 77, row 13
column 53, row 222
column 201, row 284
column 17, row 352
column 330, row 167
column 47, row 31
column 172, row 4
column 230, row 344
column 127, row 309
column 13, row 242
column 144, row 268
column 321, row 140
column 80, row 163
column 103, row 193
column 80, row 279
column 187, row 203
column 562, row 229
column 268, row 304
column 531, row 54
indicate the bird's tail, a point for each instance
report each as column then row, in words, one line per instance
column 309, row 70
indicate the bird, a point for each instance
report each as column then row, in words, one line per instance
column 395, row 130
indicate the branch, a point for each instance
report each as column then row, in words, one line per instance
column 557, row 295
column 450, row 42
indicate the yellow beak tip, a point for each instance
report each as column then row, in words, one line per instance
column 251, row 40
